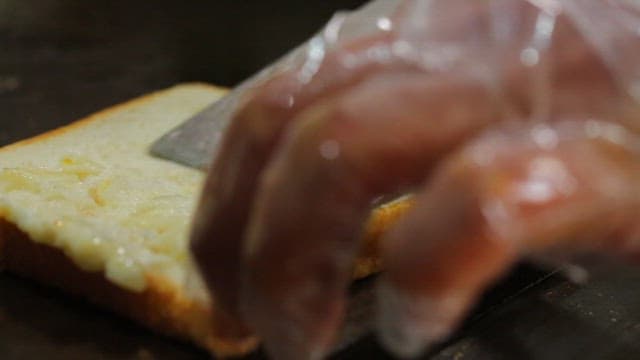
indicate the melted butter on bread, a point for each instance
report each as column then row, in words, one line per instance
column 95, row 193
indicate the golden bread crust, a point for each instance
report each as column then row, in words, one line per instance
column 160, row 307
column 381, row 219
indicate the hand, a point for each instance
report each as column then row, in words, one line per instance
column 513, row 122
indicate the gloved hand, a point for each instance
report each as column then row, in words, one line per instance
column 515, row 123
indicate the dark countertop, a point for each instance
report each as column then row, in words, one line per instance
column 63, row 59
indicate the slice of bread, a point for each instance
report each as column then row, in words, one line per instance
column 86, row 209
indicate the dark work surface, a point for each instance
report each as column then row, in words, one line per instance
column 63, row 59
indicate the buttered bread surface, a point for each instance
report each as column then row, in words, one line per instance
column 92, row 191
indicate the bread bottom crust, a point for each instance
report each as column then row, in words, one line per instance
column 160, row 307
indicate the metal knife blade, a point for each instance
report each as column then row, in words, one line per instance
column 186, row 144
column 195, row 142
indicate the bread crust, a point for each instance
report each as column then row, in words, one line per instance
column 380, row 221
column 106, row 112
column 161, row 306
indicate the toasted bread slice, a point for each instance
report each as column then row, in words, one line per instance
column 86, row 209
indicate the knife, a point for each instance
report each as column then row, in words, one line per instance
column 194, row 143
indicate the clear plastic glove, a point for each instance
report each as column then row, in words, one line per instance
column 515, row 123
